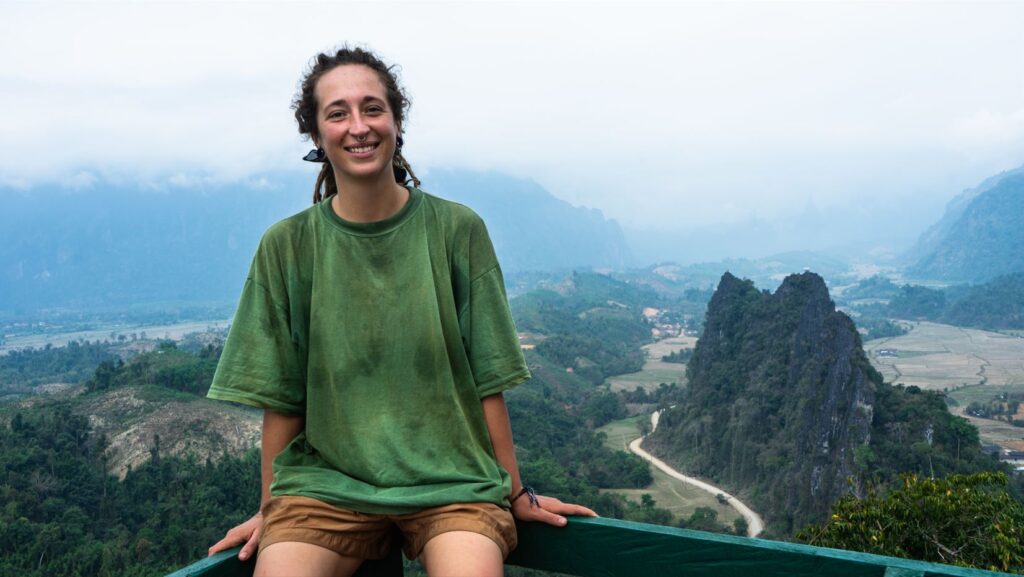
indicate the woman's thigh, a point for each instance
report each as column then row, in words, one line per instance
column 303, row 560
column 462, row 553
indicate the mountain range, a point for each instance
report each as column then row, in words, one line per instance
column 980, row 236
column 116, row 244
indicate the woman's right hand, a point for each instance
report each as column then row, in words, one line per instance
column 247, row 534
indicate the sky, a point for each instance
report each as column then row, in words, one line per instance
column 665, row 116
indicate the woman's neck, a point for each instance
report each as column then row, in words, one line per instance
column 368, row 201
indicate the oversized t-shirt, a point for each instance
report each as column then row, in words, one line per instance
column 385, row 336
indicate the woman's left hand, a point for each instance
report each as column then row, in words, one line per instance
column 547, row 510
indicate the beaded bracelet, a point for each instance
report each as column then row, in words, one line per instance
column 530, row 494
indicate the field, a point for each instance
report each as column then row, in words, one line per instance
column 655, row 370
column 171, row 331
column 971, row 364
column 678, row 497
column 620, row 433
column 944, row 357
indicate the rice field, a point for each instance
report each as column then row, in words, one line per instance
column 970, row 364
column 944, row 357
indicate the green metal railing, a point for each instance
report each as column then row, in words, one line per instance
column 599, row 547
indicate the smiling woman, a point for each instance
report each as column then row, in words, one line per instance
column 347, row 84
column 374, row 331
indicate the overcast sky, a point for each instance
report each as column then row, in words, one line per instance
column 662, row 115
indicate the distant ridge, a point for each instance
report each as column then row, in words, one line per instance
column 116, row 245
column 533, row 229
column 980, row 237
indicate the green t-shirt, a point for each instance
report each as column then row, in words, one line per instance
column 386, row 336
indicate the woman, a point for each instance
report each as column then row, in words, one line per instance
column 374, row 331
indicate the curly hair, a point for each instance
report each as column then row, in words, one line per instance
column 305, row 106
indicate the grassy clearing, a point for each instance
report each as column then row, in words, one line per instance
column 998, row 432
column 991, row 431
column 679, row 498
column 620, row 433
column 912, row 354
column 981, row 393
column 655, row 370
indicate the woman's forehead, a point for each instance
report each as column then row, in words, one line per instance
column 349, row 84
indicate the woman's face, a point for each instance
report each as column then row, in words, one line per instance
column 357, row 128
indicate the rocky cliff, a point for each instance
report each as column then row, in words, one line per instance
column 780, row 397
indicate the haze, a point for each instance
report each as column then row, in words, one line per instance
column 763, row 126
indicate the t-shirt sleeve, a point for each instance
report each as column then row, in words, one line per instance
column 488, row 331
column 260, row 364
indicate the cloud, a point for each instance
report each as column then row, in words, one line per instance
column 659, row 114
column 986, row 129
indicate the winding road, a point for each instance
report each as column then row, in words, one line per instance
column 754, row 522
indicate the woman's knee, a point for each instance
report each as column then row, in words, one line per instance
column 303, row 560
column 462, row 553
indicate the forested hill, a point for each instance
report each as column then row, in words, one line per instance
column 185, row 471
column 980, row 237
column 783, row 406
column 115, row 244
column 995, row 305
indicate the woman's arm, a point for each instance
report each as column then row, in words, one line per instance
column 278, row 430
column 548, row 509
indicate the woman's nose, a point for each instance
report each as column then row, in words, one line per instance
column 358, row 127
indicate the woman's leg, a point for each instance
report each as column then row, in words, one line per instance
column 462, row 553
column 303, row 560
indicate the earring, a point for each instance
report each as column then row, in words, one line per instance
column 399, row 142
column 315, row 155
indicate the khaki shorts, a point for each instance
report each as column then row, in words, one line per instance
column 351, row 534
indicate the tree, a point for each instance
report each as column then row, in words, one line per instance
column 740, row 526
column 703, row 519
column 967, row 520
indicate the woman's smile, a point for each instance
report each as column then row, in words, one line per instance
column 363, row 150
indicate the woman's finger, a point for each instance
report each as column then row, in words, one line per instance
column 227, row 542
column 545, row 516
column 571, row 509
column 251, row 546
column 552, row 504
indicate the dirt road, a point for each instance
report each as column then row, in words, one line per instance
column 754, row 522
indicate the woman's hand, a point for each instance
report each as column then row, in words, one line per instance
column 248, row 533
column 547, row 510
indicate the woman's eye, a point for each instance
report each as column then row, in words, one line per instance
column 336, row 114
column 375, row 110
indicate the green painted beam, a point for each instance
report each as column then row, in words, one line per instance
column 609, row 547
column 226, row 564
column 598, row 547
